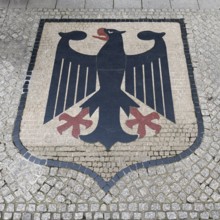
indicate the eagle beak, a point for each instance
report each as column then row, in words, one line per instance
column 102, row 34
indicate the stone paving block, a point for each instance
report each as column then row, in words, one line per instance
column 41, row 4
column 204, row 4
column 127, row 4
column 156, row 4
column 70, row 4
column 184, row 4
column 99, row 4
column 4, row 3
column 18, row 3
column 7, row 215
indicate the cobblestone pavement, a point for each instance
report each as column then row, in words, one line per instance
column 188, row 189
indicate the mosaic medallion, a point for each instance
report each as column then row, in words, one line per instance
column 106, row 97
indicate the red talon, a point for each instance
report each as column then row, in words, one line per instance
column 74, row 122
column 142, row 120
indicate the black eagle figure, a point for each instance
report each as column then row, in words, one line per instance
column 75, row 75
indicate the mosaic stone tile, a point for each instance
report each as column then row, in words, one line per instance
column 110, row 105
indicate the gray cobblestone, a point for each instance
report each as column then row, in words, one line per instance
column 123, row 207
column 187, row 207
column 52, row 207
column 113, row 207
column 60, row 198
column 82, row 207
column 46, row 216
column 2, row 206
column 107, row 216
column 40, row 196
column 26, row 216
column 56, row 216
column 175, row 206
column 204, row 215
column 171, row 215
column 216, row 196
column 98, row 215
column 161, row 215
column 126, row 215
column 115, row 215
column 137, row 215
column 193, row 215
column 61, row 207
column 9, row 198
column 166, row 207
column 7, row 215
column 149, row 215
column 89, row 215
column 21, row 207
column 16, row 216
column 10, row 208
column 45, row 188
column 95, row 207
column 107, row 199
column 41, row 208
column 78, row 189
column 67, row 216
column 183, row 215
column 215, row 214
column 53, row 192
column 103, row 207
column 132, row 207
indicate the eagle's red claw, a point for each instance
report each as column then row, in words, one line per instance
column 74, row 122
column 142, row 120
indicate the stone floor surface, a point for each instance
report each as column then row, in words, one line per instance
column 116, row 4
column 188, row 189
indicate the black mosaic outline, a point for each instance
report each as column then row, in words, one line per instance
column 106, row 185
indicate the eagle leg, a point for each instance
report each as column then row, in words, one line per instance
column 74, row 122
column 142, row 120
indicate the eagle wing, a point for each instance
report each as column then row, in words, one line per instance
column 147, row 76
column 73, row 78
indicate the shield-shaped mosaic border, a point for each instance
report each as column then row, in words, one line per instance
column 106, row 185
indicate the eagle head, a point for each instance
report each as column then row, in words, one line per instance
column 105, row 34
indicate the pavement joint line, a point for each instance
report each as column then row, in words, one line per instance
column 170, row 4
column 198, row 4
column 56, row 4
